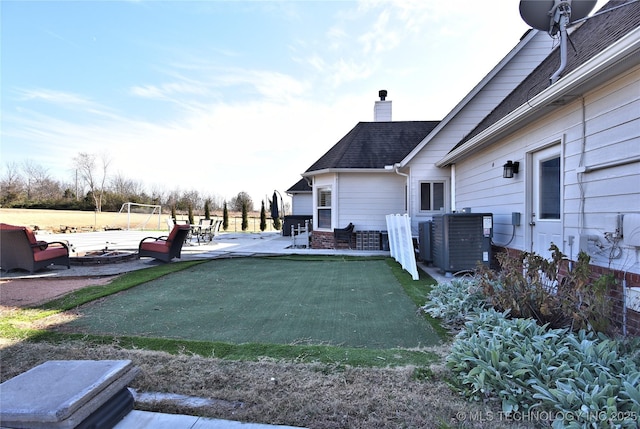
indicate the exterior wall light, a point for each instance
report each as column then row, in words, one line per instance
column 510, row 168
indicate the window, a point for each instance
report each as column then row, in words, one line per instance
column 324, row 208
column 431, row 196
column 550, row 189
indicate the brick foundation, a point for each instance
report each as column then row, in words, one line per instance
column 324, row 240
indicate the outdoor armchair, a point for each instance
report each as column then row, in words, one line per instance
column 343, row 234
column 19, row 249
column 167, row 247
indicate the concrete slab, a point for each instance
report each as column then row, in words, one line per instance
column 144, row 419
column 147, row 420
column 61, row 394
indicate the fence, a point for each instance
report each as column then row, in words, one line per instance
column 235, row 223
column 401, row 243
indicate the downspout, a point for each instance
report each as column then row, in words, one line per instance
column 396, row 169
column 453, row 188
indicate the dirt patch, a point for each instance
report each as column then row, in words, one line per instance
column 316, row 396
column 31, row 292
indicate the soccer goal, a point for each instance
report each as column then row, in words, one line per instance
column 139, row 215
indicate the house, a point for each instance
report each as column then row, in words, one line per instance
column 361, row 181
column 301, row 207
column 353, row 181
column 575, row 143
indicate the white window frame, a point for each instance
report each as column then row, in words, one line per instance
column 431, row 202
column 324, row 204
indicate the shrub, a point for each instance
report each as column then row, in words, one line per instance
column 245, row 217
column 453, row 301
column 580, row 379
column 531, row 286
column 263, row 218
column 225, row 217
column 207, row 210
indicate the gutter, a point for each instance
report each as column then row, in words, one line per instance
column 624, row 49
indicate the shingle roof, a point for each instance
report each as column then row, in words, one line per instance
column 374, row 145
column 592, row 37
column 301, row 186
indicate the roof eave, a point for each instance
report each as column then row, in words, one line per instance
column 624, row 53
column 344, row 170
column 470, row 96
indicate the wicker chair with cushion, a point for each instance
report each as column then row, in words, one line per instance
column 165, row 248
column 19, row 249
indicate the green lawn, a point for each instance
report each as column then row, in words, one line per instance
column 354, row 302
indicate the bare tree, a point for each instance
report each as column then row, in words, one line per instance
column 38, row 182
column 126, row 188
column 241, row 200
column 93, row 174
column 11, row 184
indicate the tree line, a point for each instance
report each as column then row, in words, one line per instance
column 30, row 185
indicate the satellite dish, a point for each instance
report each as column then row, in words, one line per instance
column 554, row 16
column 539, row 14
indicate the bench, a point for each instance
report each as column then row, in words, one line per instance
column 19, row 249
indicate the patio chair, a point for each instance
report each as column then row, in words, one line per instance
column 215, row 229
column 343, row 234
column 19, row 249
column 164, row 248
column 202, row 230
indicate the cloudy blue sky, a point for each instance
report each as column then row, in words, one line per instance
column 229, row 96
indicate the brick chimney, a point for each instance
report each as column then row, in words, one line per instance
column 382, row 108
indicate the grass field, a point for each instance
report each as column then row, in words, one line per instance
column 280, row 300
column 313, row 386
column 53, row 220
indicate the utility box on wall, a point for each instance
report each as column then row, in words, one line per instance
column 459, row 241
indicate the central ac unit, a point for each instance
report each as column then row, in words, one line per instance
column 424, row 240
column 461, row 240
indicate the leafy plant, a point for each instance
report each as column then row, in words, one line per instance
column 580, row 379
column 453, row 301
column 529, row 285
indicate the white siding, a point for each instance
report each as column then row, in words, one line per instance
column 364, row 199
column 591, row 200
column 302, row 204
column 486, row 98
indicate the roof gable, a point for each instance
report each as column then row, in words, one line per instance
column 374, row 144
column 499, row 82
column 594, row 35
column 300, row 187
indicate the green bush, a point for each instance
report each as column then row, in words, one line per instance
column 579, row 380
column 453, row 301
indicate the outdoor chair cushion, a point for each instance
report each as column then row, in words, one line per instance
column 167, row 247
column 21, row 249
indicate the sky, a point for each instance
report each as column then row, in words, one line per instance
column 223, row 97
